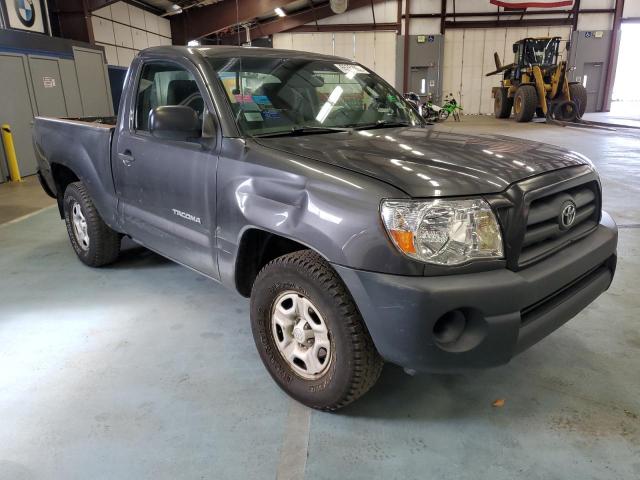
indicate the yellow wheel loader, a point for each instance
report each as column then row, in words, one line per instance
column 536, row 84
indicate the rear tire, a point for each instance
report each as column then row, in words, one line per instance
column 525, row 103
column 502, row 104
column 298, row 301
column 92, row 240
column 578, row 96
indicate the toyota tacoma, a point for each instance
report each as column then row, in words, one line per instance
column 360, row 233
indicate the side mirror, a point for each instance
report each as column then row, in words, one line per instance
column 175, row 122
column 515, row 48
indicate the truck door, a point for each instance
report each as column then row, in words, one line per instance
column 167, row 187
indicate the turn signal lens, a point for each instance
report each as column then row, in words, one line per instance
column 404, row 240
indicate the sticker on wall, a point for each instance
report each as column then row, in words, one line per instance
column 588, row 34
column 422, row 38
column 431, row 38
column 25, row 14
column 599, row 34
column 48, row 82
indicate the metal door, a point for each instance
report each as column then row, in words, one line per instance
column 18, row 107
column 591, row 80
column 95, row 91
column 47, row 86
column 70, row 87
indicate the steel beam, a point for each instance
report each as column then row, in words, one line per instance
column 199, row 22
column 613, row 55
column 295, row 20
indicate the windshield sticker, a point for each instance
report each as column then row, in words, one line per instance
column 384, row 110
column 253, row 116
column 261, row 100
column 271, row 114
column 244, row 98
column 350, row 68
column 392, row 98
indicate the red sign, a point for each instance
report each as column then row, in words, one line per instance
column 520, row 4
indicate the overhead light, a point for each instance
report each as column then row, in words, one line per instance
column 193, row 43
column 280, row 12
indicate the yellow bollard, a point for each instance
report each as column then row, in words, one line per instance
column 10, row 152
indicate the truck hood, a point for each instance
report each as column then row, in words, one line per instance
column 424, row 162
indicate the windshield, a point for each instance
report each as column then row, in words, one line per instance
column 296, row 95
column 541, row 51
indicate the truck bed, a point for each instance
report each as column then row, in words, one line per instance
column 82, row 145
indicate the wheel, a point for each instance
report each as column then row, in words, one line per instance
column 92, row 240
column 444, row 114
column 567, row 111
column 309, row 333
column 502, row 104
column 578, row 95
column 525, row 103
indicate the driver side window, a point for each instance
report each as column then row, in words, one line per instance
column 165, row 84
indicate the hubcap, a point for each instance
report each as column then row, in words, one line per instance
column 301, row 335
column 80, row 226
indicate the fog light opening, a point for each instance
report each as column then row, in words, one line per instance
column 450, row 327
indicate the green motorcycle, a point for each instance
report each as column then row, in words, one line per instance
column 450, row 107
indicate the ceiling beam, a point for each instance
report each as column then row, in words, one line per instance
column 347, row 27
column 199, row 22
column 537, row 22
column 295, row 20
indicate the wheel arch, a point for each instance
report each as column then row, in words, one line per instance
column 256, row 248
column 62, row 176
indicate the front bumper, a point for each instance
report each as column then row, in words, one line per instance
column 505, row 311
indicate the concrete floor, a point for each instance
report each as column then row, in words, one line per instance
column 145, row 370
column 18, row 199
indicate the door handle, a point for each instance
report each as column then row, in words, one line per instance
column 126, row 158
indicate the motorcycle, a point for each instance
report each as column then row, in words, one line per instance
column 450, row 107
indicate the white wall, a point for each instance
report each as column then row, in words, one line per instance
column 123, row 30
column 468, row 57
column 376, row 50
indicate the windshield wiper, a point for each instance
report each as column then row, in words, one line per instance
column 302, row 130
column 380, row 124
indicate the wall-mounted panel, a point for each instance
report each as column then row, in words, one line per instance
column 70, row 87
column 140, row 40
column 18, row 108
column 125, row 56
column 136, row 16
column 103, row 30
column 120, row 13
column 123, row 35
column 93, row 81
column 47, row 86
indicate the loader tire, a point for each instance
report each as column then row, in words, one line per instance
column 525, row 103
column 502, row 104
column 578, row 96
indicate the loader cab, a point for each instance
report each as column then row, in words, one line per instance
column 536, row 51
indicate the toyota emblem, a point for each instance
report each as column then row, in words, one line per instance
column 568, row 215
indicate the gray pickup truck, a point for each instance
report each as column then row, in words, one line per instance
column 360, row 234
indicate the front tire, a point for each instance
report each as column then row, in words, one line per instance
column 92, row 240
column 525, row 103
column 578, row 95
column 309, row 333
column 502, row 104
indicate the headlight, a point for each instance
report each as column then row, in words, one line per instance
column 443, row 232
